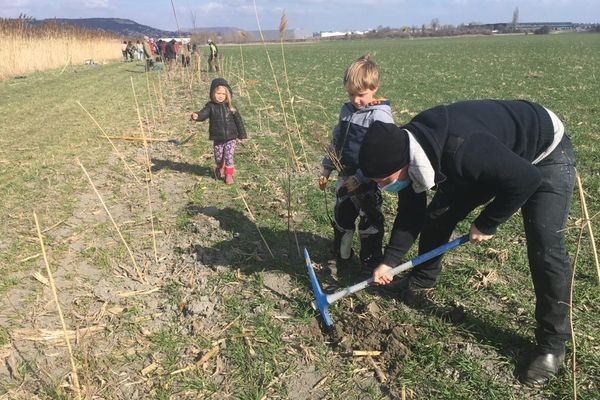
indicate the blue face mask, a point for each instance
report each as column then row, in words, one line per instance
column 396, row 185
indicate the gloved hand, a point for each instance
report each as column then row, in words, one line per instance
column 351, row 183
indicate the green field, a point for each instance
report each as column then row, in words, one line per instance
column 216, row 287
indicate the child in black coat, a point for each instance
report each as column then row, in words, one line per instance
column 225, row 127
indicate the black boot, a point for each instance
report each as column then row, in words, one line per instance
column 371, row 253
column 542, row 367
column 370, row 229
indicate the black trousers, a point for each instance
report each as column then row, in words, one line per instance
column 544, row 218
column 364, row 203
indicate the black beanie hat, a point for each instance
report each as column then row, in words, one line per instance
column 384, row 150
column 219, row 82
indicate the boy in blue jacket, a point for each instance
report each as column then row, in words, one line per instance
column 356, row 195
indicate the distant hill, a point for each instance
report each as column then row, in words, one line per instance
column 119, row 26
column 129, row 28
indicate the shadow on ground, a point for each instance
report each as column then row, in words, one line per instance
column 241, row 245
column 188, row 168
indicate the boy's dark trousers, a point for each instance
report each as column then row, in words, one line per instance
column 544, row 218
column 364, row 202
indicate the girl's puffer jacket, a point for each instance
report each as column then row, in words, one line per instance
column 223, row 124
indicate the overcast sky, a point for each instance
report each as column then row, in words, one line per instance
column 315, row 15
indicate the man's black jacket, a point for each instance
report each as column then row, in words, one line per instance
column 477, row 146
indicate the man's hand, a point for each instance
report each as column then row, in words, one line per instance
column 476, row 236
column 379, row 276
column 323, row 182
column 194, row 116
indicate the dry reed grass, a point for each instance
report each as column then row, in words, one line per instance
column 26, row 47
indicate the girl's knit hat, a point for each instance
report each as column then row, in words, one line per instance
column 219, row 82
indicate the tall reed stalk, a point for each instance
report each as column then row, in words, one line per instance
column 287, row 128
column 162, row 98
column 135, row 265
column 243, row 72
column 148, row 172
column 571, row 324
column 160, row 108
column 588, row 223
column 282, row 26
column 201, row 77
column 150, row 101
column 58, row 308
column 241, row 195
column 290, row 212
column 111, row 143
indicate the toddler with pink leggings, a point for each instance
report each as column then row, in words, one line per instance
column 225, row 127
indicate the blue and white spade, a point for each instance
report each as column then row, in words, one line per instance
column 323, row 301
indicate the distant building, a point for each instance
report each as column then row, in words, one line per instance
column 554, row 26
column 329, row 34
column 289, row 34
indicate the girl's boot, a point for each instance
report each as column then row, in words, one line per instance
column 229, row 175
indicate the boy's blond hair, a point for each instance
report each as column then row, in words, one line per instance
column 361, row 75
column 228, row 98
